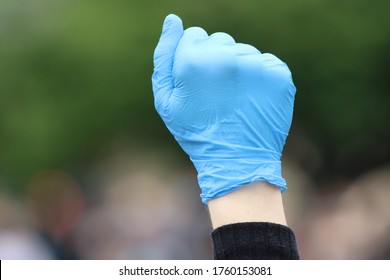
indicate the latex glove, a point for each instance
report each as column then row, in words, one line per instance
column 228, row 106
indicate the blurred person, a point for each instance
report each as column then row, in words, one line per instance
column 230, row 108
column 18, row 241
column 56, row 202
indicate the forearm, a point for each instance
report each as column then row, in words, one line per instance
column 249, row 223
column 256, row 202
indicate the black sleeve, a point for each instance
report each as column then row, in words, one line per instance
column 254, row 241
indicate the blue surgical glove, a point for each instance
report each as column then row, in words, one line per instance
column 228, row 106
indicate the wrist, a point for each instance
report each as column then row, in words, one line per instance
column 217, row 178
column 256, row 202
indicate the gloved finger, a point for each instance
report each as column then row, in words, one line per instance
column 162, row 80
column 193, row 34
column 222, row 38
column 188, row 53
column 244, row 49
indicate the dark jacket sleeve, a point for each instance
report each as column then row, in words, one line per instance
column 254, row 241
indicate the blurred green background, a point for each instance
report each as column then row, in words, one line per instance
column 75, row 83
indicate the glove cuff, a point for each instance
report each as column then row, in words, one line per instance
column 218, row 178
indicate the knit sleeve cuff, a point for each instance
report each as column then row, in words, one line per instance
column 254, row 241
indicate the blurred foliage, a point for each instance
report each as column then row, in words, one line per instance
column 75, row 75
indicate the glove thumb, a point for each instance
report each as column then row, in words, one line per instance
column 163, row 59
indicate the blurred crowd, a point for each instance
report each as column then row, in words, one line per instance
column 344, row 219
column 130, row 207
column 145, row 206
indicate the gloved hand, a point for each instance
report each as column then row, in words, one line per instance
column 228, row 106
